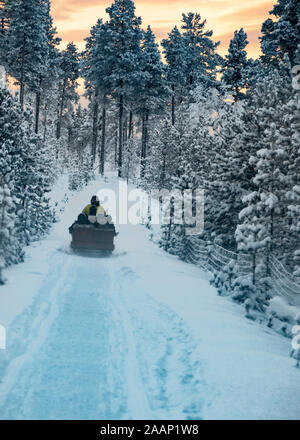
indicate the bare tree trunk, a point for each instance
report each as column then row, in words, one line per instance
column 146, row 132
column 95, row 128
column 144, row 141
column 130, row 128
column 38, row 106
column 61, row 109
column 45, row 122
column 120, row 157
column 173, row 104
column 22, row 85
column 116, row 148
column 254, row 268
column 102, row 150
column 69, row 137
column 125, row 131
column 143, row 147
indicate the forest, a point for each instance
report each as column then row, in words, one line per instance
column 172, row 116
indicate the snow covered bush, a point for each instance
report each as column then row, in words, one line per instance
column 10, row 249
column 223, row 279
column 26, row 176
column 282, row 316
column 249, row 294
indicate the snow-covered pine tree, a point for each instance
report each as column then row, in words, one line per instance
column 163, row 157
column 48, row 76
column 235, row 65
column 68, row 76
column 26, row 168
column 201, row 59
column 26, row 45
column 224, row 171
column 293, row 194
column 80, row 163
column 151, row 90
column 272, row 160
column 252, row 237
column 174, row 52
column 123, row 57
column 281, row 35
column 13, row 137
column 6, row 11
column 131, row 159
column 10, row 251
column 98, row 83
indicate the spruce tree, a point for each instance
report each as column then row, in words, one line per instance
column 281, row 35
column 9, row 249
column 201, row 59
column 27, row 45
column 99, row 84
column 68, row 76
column 152, row 88
column 174, row 52
column 49, row 73
column 124, row 56
column 235, row 65
column 293, row 193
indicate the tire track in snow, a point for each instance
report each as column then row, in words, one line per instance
column 94, row 346
column 65, row 371
column 137, row 405
column 27, row 334
column 166, row 367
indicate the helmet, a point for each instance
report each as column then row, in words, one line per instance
column 95, row 201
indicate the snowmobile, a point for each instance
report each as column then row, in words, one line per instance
column 93, row 237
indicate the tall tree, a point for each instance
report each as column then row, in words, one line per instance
column 281, row 35
column 6, row 8
column 174, row 52
column 68, row 76
column 98, row 82
column 152, row 89
column 8, row 241
column 27, row 45
column 200, row 51
column 124, row 55
column 235, row 65
column 48, row 75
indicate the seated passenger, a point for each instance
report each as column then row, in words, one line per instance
column 93, row 213
column 94, row 208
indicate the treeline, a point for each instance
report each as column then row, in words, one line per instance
column 42, row 129
column 229, row 125
column 238, row 137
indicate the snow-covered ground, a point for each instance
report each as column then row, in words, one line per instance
column 139, row 335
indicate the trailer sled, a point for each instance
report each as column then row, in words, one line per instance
column 93, row 238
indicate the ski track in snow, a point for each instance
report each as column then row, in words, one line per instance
column 97, row 342
column 90, row 352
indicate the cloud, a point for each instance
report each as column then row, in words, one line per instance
column 257, row 13
column 75, row 35
column 63, row 9
column 74, row 18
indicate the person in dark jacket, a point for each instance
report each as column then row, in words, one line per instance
column 89, row 213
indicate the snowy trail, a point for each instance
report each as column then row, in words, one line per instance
column 140, row 336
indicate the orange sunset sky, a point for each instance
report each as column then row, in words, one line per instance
column 74, row 18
